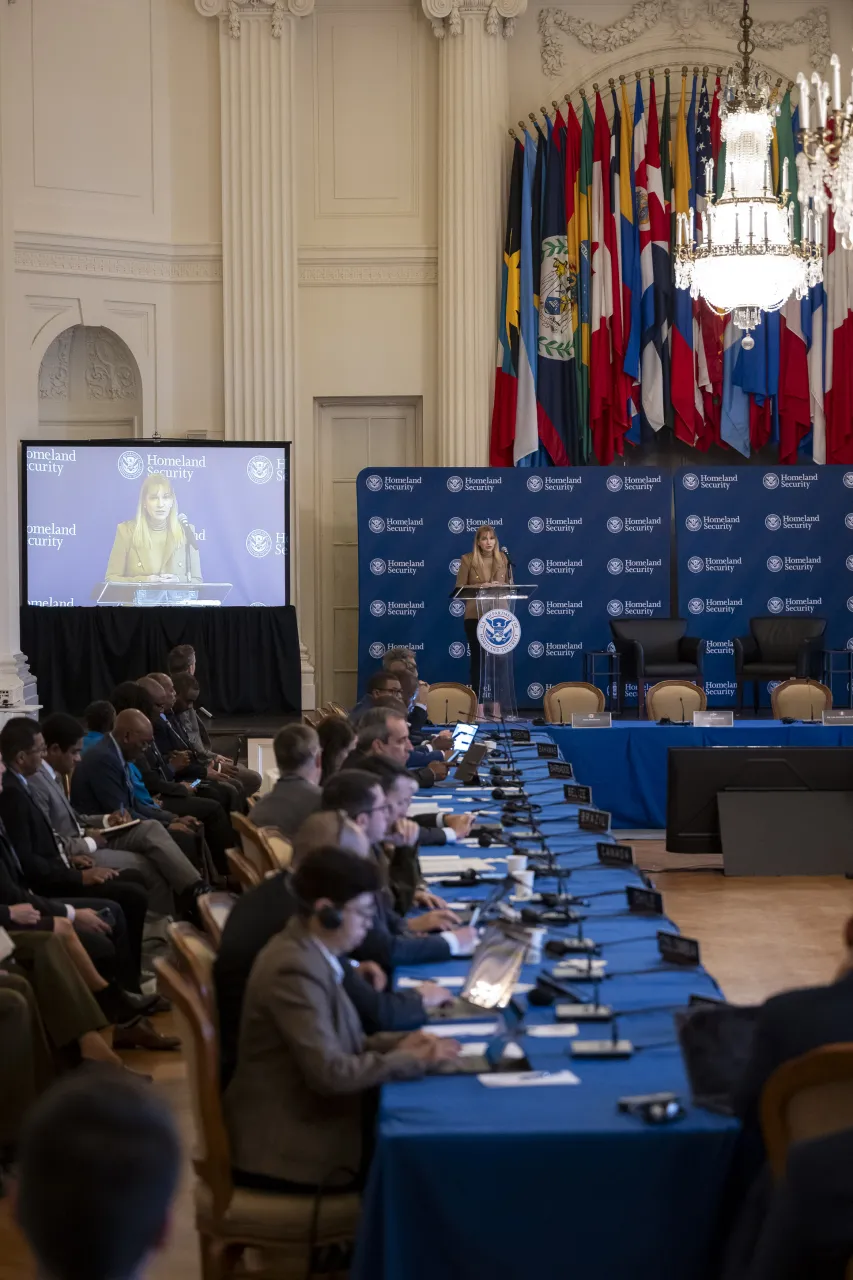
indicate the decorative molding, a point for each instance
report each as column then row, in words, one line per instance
column 446, row 15
column 811, row 29
column 234, row 11
column 323, row 266
column 119, row 259
column 109, row 373
column 54, row 371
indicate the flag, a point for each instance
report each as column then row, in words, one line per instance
column 601, row 409
column 734, row 418
column 613, row 234
column 656, row 276
column 668, row 193
column 707, row 325
column 838, row 392
column 684, row 389
column 539, row 458
column 633, row 154
column 506, row 376
column 585, row 278
column 794, row 395
column 526, row 428
column 556, row 385
column 577, row 261
column 758, row 375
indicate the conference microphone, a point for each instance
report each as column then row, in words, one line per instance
column 509, row 561
column 189, row 532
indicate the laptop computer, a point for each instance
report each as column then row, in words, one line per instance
column 463, row 736
column 502, row 1051
column 489, row 984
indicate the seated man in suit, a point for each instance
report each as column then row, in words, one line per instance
column 295, row 1107
column 380, row 684
column 185, row 717
column 403, row 664
column 297, row 793
column 175, row 747
column 384, row 732
column 146, row 848
column 98, row 1168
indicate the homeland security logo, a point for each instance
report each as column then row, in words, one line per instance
column 615, row 608
column 850, row 607
column 535, row 484
column 259, row 543
column 848, row 520
column 376, row 524
column 776, row 563
column 615, row 525
column 536, row 648
column 536, row 567
column 378, row 608
column 770, row 480
column 378, row 566
column 693, row 523
column 457, row 608
column 130, row 464
column 259, row 469
column 457, row 649
column 696, row 606
column 690, row 481
column 849, row 562
column 454, row 566
column 614, row 483
column 377, row 649
column 615, row 565
column 536, row 524
column 374, row 483
column 695, row 564
column 536, row 608
column 773, row 522
column 455, row 484
column 848, row 479
column 775, row 605
column 535, row 690
column 498, row 631
column 456, row 524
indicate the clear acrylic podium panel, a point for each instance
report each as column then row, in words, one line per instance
column 496, row 694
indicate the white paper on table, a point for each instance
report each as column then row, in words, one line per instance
column 553, row 1030
column 473, row 1048
column 421, row 807
column 579, row 968
column 525, row 1079
column 448, row 863
column 452, row 1030
column 409, row 983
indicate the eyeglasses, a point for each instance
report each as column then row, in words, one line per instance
column 377, row 808
column 365, row 914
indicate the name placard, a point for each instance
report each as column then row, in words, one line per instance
column 577, row 794
column 519, row 735
column 547, row 750
column 841, row 716
column 595, row 720
column 677, row 950
column 615, row 855
column 644, row 902
column 593, row 819
column 713, row 719
column 560, row 769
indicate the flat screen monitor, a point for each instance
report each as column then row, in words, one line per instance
column 695, row 776
column 145, row 523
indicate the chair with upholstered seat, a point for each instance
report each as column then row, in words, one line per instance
column 800, row 700
column 214, row 909
column 254, row 845
column 449, row 702
column 654, row 649
column 675, row 700
column 278, row 847
column 778, row 647
column 572, row 697
column 808, row 1097
column 285, row 1232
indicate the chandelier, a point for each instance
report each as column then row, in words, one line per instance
column 748, row 260
column 825, row 164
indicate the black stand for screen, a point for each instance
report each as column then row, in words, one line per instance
column 786, row 833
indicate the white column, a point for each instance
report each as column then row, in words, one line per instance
column 473, row 120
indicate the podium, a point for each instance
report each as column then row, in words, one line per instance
column 498, row 632
column 151, row 595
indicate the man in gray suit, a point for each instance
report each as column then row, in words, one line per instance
column 297, row 793
column 295, row 1105
column 147, row 848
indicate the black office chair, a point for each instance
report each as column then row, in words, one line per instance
column 653, row 649
column 779, row 647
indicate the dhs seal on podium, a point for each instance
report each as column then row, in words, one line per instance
column 498, row 631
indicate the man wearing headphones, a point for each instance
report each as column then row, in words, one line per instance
column 295, row 1105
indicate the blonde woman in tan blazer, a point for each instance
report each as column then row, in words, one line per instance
column 486, row 563
column 153, row 547
column 298, row 1102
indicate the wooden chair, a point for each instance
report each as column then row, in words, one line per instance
column 194, row 957
column 675, row 699
column 801, row 699
column 254, row 845
column 214, row 909
column 243, row 871
column 278, row 847
column 808, row 1097
column 449, row 702
column 284, row 1232
column 334, row 709
column 312, row 718
column 572, row 696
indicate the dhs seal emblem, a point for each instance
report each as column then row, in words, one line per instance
column 773, row 523
column 536, row 567
column 776, row 564
column 615, row 565
column 848, row 520
column 696, row 606
column 259, row 543
column 693, row 523
column 457, row 608
column 770, row 480
column 457, row 649
column 536, row 648
column 535, row 690
column 455, row 484
column 690, row 481
column 848, row 479
column 498, row 631
column 614, row 483
column 536, row 524
column 615, row 525
column 374, row 483
column 456, row 524
column 535, row 484
column 850, row 643
column 378, row 566
column 615, row 608
column 378, row 608
column 130, row 465
column 376, row 524
column 536, row 608
column 377, row 649
column 849, row 562
column 775, row 605
column 259, row 469
column 454, row 566
column 850, row 607
column 695, row 564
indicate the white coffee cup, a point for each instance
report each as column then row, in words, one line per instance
column 516, row 863
column 533, row 955
column 524, row 885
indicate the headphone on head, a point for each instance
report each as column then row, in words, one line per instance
column 330, row 918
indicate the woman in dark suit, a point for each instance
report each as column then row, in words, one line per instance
column 486, row 563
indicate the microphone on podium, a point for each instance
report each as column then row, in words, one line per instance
column 189, row 532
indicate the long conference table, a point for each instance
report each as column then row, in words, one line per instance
column 626, row 765
column 498, row 1183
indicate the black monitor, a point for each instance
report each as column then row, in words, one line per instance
column 695, row 776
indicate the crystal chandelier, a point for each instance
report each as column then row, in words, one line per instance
column 748, row 260
column 825, row 164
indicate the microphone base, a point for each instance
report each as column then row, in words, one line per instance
column 602, row 1049
column 582, row 1012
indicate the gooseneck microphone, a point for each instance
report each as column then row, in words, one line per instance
column 189, row 532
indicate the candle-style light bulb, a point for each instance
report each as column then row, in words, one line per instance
column 750, row 224
column 690, row 227
column 805, row 101
column 835, row 63
column 817, row 230
column 785, row 174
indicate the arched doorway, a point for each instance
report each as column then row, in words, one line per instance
column 89, row 387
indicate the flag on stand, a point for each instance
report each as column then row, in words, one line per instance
column 684, row 389
column 633, row 152
column 838, row 392
column 506, row 375
column 526, row 427
column 656, row 274
column 707, row 325
column 585, row 278
column 794, row 396
column 574, row 143
column 734, row 417
column 613, row 235
column 601, row 409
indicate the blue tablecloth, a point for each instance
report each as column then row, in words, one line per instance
column 626, row 765
column 472, row 1182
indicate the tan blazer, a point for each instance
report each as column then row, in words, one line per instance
column 468, row 577
column 128, row 563
column 294, row 1104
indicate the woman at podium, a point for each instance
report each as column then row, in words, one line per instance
column 486, row 563
column 154, row 546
